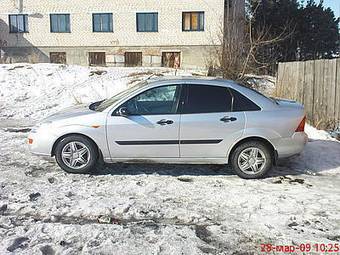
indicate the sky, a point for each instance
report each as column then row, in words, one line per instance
column 334, row 4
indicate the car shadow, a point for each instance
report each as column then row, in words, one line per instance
column 162, row 169
column 180, row 170
column 319, row 156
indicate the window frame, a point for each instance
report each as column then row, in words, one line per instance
column 92, row 53
column 110, row 24
column 146, row 31
column 25, row 19
column 178, row 100
column 163, row 56
column 199, row 21
column 139, row 64
column 185, row 98
column 233, row 99
column 60, row 14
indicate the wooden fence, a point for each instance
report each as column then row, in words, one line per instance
column 316, row 84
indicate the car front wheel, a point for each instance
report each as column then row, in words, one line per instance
column 76, row 154
column 252, row 160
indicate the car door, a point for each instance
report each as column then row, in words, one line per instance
column 208, row 125
column 150, row 127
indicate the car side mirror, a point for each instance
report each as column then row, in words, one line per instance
column 123, row 111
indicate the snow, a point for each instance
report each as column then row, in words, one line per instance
column 315, row 134
column 263, row 83
column 35, row 91
column 149, row 209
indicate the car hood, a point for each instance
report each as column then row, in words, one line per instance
column 70, row 112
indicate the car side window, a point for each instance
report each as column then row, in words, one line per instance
column 243, row 104
column 207, row 99
column 160, row 100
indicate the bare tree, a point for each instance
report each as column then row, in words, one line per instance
column 241, row 45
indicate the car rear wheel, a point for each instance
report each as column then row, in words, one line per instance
column 76, row 154
column 252, row 160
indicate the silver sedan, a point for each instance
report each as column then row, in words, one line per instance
column 175, row 120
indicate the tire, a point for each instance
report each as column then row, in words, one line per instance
column 76, row 154
column 243, row 160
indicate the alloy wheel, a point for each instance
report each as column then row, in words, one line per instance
column 251, row 160
column 75, row 155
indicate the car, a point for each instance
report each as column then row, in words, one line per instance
column 175, row 120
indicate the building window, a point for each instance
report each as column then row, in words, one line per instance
column 171, row 59
column 133, row 59
column 102, row 22
column 147, row 22
column 58, row 57
column 60, row 23
column 97, row 58
column 18, row 23
column 193, row 21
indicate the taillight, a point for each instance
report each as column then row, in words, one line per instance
column 30, row 140
column 301, row 127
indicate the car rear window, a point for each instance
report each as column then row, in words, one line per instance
column 242, row 104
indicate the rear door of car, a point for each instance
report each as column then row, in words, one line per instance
column 208, row 126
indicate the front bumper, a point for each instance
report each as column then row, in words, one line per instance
column 293, row 145
column 40, row 142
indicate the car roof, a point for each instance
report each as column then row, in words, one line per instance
column 158, row 80
column 260, row 99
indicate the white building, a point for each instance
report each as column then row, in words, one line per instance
column 173, row 33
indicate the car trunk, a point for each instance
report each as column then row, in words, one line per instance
column 286, row 103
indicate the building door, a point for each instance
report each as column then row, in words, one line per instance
column 133, row 58
column 58, row 57
column 97, row 58
column 171, row 59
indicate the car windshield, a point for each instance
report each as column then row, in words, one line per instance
column 102, row 105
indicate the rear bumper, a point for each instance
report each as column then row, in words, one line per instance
column 293, row 145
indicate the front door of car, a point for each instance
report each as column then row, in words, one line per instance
column 146, row 126
column 208, row 126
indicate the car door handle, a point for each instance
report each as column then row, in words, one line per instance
column 228, row 119
column 165, row 122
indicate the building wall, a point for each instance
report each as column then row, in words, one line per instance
column 192, row 57
column 81, row 40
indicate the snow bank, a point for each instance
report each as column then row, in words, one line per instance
column 316, row 134
column 35, row 91
column 263, row 83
